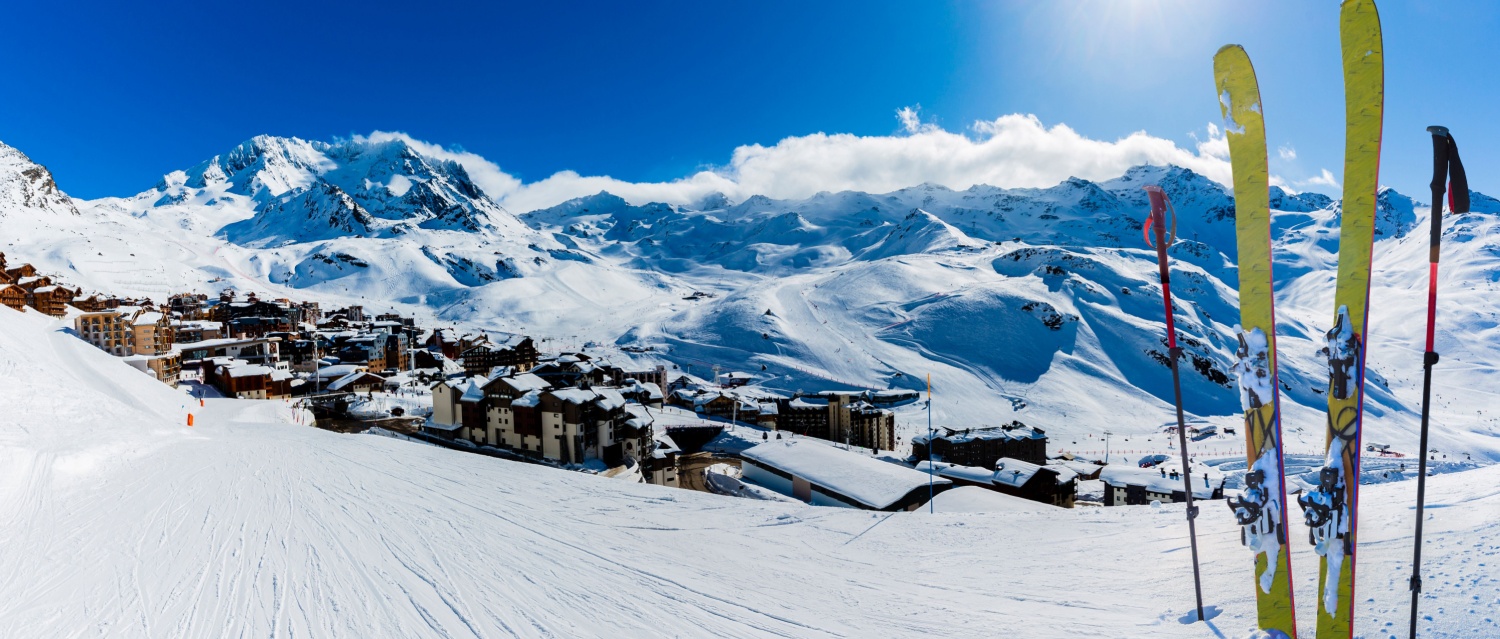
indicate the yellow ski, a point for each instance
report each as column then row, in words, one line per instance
column 1261, row 508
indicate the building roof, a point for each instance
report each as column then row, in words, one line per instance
column 324, row 374
column 249, row 370
column 527, row 382
column 530, row 400
column 1151, row 479
column 1014, row 431
column 808, row 402
column 475, row 390
column 609, row 398
column 869, row 481
column 575, row 395
column 352, row 378
column 1015, row 473
column 149, row 317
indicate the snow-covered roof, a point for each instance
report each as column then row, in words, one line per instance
column 665, row 446
column 575, row 395
column 226, row 341
column 973, row 474
column 809, row 402
column 640, row 417
column 869, row 481
column 1014, row 472
column 475, row 390
column 1153, row 480
column 609, row 398
column 530, row 400
column 151, row 317
column 328, row 373
column 351, row 378
column 249, row 370
column 527, row 382
column 1012, row 432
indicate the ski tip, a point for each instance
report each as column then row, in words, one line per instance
column 1439, row 131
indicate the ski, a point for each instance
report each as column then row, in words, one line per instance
column 1445, row 163
column 1261, row 508
column 1332, row 508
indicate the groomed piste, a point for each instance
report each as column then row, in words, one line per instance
column 118, row 519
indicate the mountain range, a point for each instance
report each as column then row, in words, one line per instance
column 1032, row 304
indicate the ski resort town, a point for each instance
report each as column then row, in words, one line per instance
column 498, row 395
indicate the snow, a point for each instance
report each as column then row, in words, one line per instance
column 874, row 483
column 1153, row 480
column 250, row 370
column 340, row 383
column 247, row 524
column 973, row 499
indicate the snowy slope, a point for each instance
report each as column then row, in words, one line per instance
column 119, row 520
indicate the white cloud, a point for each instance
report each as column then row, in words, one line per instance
column 1287, row 152
column 1010, row 151
column 483, row 172
column 1325, row 179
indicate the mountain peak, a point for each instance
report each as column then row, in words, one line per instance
column 26, row 184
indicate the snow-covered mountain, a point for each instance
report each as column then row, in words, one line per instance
column 1037, row 304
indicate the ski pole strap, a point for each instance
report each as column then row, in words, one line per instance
column 1445, row 165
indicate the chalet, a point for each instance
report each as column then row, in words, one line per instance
column 151, row 334
column 357, row 382
column 571, row 369
column 1129, row 485
column 242, row 380
column 166, row 368
column 1085, row 469
column 51, row 299
column 198, row 330
column 261, row 350
column 983, row 447
column 108, row 330
column 13, row 296
column 22, row 271
column 660, row 466
column 188, row 306
column 256, row 318
column 92, row 303
column 645, row 393
column 824, row 475
column 1045, row 484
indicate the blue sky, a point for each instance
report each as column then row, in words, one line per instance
column 111, row 97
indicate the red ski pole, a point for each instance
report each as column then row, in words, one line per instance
column 1157, row 224
column 1445, row 163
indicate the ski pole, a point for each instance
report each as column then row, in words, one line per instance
column 1445, row 163
column 1157, row 223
